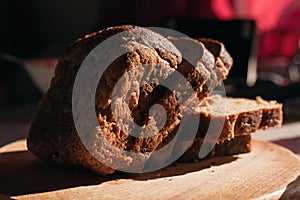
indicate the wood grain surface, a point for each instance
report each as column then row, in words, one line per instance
column 264, row 174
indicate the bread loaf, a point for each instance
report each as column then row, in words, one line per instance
column 53, row 134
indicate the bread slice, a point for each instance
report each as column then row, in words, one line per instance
column 229, row 147
column 240, row 116
column 204, row 70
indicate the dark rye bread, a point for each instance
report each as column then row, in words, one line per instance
column 53, row 134
column 241, row 116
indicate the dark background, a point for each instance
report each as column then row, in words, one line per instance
column 35, row 29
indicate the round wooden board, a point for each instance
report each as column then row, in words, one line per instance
column 264, row 173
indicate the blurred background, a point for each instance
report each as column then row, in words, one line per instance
column 262, row 36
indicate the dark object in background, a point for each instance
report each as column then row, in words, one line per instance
column 239, row 37
column 17, row 86
column 38, row 29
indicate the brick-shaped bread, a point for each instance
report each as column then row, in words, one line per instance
column 53, row 134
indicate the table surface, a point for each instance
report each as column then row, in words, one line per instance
column 274, row 168
column 287, row 136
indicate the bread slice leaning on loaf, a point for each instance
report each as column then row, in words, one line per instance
column 223, row 60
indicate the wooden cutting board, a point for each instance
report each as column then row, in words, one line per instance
column 263, row 173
